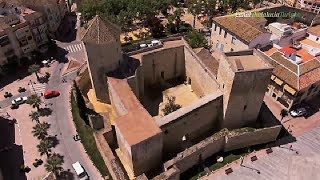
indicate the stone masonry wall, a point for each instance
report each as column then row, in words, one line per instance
column 202, row 81
column 221, row 141
column 246, row 97
column 194, row 121
column 102, row 59
column 260, row 136
column 163, row 65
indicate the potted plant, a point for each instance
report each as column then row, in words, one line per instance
column 7, row 94
column 21, row 89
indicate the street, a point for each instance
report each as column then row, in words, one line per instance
column 62, row 126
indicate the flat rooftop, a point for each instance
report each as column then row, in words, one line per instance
column 246, row 61
column 137, row 124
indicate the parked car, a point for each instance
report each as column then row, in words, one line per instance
column 19, row 100
column 81, row 173
column 51, row 94
column 298, row 112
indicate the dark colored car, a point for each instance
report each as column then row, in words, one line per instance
column 51, row 94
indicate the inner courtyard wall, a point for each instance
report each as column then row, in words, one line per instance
column 195, row 122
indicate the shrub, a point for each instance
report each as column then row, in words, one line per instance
column 21, row 89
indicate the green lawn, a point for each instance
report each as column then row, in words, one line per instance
column 228, row 159
column 87, row 139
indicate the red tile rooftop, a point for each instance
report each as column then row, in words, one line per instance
column 287, row 50
column 304, row 55
column 137, row 125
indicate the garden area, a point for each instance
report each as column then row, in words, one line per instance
column 86, row 135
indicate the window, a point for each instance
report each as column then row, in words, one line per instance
column 217, row 45
column 317, row 39
column 244, row 107
column 220, row 31
column 233, row 39
column 29, row 38
column 221, row 47
column 225, row 34
column 231, row 49
column 162, row 74
column 215, row 27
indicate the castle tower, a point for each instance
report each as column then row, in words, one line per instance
column 244, row 77
column 102, row 43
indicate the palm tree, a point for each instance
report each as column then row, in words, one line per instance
column 34, row 115
column 34, row 100
column 34, row 68
column 54, row 163
column 45, row 146
column 41, row 130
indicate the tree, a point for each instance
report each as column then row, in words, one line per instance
column 175, row 20
column 45, row 146
column 283, row 113
column 171, row 106
column 54, row 163
column 195, row 8
column 210, row 10
column 40, row 130
column 35, row 101
column 34, row 68
column 34, row 115
column 196, row 39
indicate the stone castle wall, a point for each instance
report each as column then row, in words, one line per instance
column 222, row 141
column 193, row 121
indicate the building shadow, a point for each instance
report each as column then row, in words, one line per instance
column 11, row 155
column 66, row 30
column 11, row 75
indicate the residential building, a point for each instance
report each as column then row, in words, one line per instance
column 231, row 33
column 234, row 33
column 53, row 11
column 22, row 31
column 310, row 5
column 296, row 77
column 291, row 43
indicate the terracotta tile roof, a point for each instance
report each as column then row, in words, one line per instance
column 297, row 76
column 309, row 78
column 243, row 28
column 101, row 31
column 304, row 55
column 287, row 51
column 310, row 43
column 207, row 59
column 283, row 60
column 308, row 66
column 315, row 30
column 137, row 125
column 284, row 74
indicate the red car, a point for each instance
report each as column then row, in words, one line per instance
column 50, row 94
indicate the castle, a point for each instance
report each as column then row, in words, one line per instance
column 221, row 96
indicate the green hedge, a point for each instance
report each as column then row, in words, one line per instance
column 87, row 139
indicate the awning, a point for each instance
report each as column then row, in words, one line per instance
column 278, row 81
column 272, row 77
column 289, row 89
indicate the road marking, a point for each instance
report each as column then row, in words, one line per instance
column 74, row 48
column 37, row 88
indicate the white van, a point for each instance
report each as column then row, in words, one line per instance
column 155, row 42
column 81, row 173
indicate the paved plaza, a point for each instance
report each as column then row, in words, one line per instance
column 297, row 157
column 282, row 163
